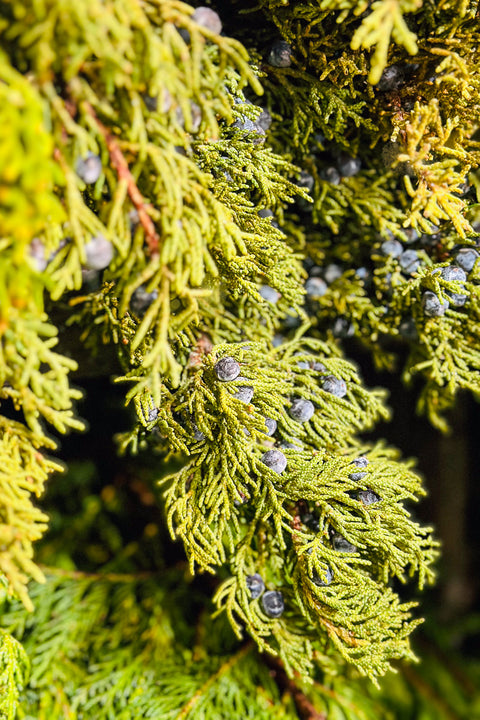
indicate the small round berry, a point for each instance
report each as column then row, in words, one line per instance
column 36, row 253
column 451, row 273
column 318, row 367
column 324, row 579
column 273, row 603
column 275, row 460
column 432, row 305
column 89, row 168
column 348, row 166
column 99, row 253
column 409, row 262
column 335, row 386
column 412, row 235
column 264, row 120
column 456, row 299
column 315, row 287
column 280, row 54
column 269, row 294
column 466, row 258
column 278, row 340
column 408, row 329
column 141, row 300
column 244, row 393
column 255, row 585
column 291, row 446
column 208, row 18
column 265, row 212
column 198, row 435
column 331, row 175
column 340, row 544
column 360, row 462
column 271, row 424
column 227, row 369
column 363, row 274
column 152, row 414
column 302, row 410
column 368, row 497
column 332, row 272
column 390, row 79
column 391, row 248
column 306, row 181
column 343, row 328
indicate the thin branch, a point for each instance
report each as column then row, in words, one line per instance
column 305, row 709
column 121, row 166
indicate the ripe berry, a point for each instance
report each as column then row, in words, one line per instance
column 275, row 460
column 391, row 248
column 335, row 386
column 315, row 287
column 324, row 579
column 451, row 273
column 141, row 300
column 208, row 18
column 466, row 258
column 89, row 168
column 152, row 414
column 273, row 603
column 456, row 299
column 331, row 175
column 244, row 393
column 432, row 305
column 347, row 165
column 271, row 424
column 340, row 544
column 360, row 462
column 368, row 497
column 291, row 446
column 332, row 272
column 255, row 585
column 227, row 369
column 409, row 262
column 198, row 434
column 264, row 120
column 280, row 54
column 390, row 79
column 302, row 410
column 99, row 253
column 269, row 294
column 343, row 328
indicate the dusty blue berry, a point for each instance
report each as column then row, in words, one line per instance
column 335, row 386
column 302, row 410
column 391, row 248
column 368, row 497
column 198, row 434
column 271, row 424
column 275, row 460
column 99, row 253
column 432, row 305
column 456, row 299
column 227, row 369
column 331, row 175
column 340, row 544
column 409, row 262
column 315, row 287
column 208, row 18
column 343, row 328
column 348, row 166
column 408, row 329
column 360, row 462
column 269, row 294
column 332, row 272
column 152, row 414
column 280, row 54
column 141, row 300
column 255, row 585
column 89, row 168
column 286, row 445
column 244, row 393
column 324, row 579
column 273, row 603
column 264, row 120
column 466, row 258
column 452, row 273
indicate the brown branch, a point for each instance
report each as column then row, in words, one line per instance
column 121, row 166
column 305, row 709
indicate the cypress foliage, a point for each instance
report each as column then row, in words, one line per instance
column 218, row 219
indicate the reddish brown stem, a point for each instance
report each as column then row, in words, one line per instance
column 121, row 166
column 305, row 709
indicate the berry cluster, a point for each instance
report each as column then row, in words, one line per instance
column 272, row 601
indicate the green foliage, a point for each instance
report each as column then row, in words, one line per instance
column 187, row 177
